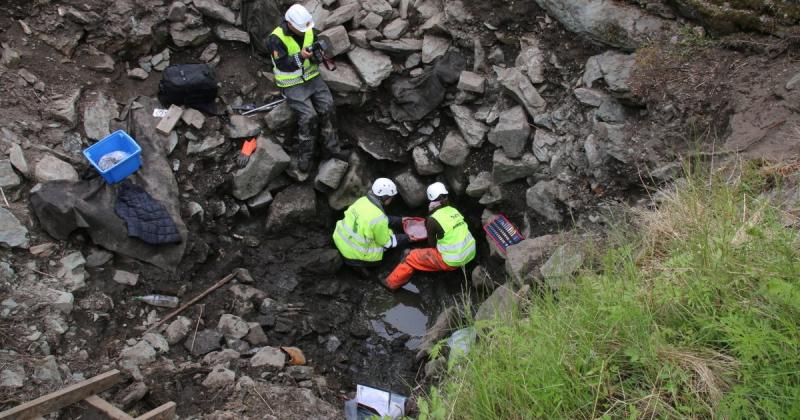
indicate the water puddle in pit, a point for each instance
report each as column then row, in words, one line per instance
column 400, row 313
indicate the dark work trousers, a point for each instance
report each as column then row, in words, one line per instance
column 313, row 103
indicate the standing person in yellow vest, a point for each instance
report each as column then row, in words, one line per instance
column 447, row 231
column 365, row 232
column 297, row 75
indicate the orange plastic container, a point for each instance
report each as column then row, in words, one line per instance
column 414, row 227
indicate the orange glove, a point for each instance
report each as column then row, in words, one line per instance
column 248, row 147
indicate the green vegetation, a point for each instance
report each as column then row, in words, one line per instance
column 692, row 312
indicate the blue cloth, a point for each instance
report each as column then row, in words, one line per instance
column 146, row 218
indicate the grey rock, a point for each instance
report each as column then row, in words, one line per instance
column 454, row 149
column 425, row 162
column 594, row 155
column 204, row 342
column 231, row 326
column 614, row 68
column 45, row 371
column 296, row 204
column 157, row 341
column 319, row 14
column 337, row 39
column 611, row 111
column 398, row 46
column 615, row 139
column 479, row 185
column 98, row 257
column 428, row 8
column 50, row 168
column 263, row 199
column 413, row 60
column 256, row 334
column 480, row 278
column 269, row 357
column 522, row 89
column 411, row 189
column 505, row 170
column 266, row 163
column 523, row 258
column 300, row 373
column 667, row 172
column 65, row 109
column 101, row 62
column 11, row 57
column 379, row 7
column 330, row 173
column 332, row 344
column 359, row 38
column 511, row 132
column 345, row 13
column 371, row 21
column 591, row 97
column 354, row 184
column 242, row 127
column 134, row 392
column 492, row 197
column 193, row 118
column 193, row 37
column 13, row 376
column 439, row 330
column 344, row 80
column 219, row 377
column 17, row 158
column 500, row 303
column 531, row 60
column 793, row 83
column 12, row 233
column 433, row 47
column 612, row 23
column 97, row 116
column 471, row 82
column 544, row 145
column 561, row 265
column 374, row 67
column 232, row 34
column 395, row 29
column 473, row 130
column 138, row 74
column 177, row 330
column 283, row 115
column 208, row 144
column 209, row 53
column 215, row 10
column 139, row 354
column 8, row 178
column 543, row 199
column 126, row 278
column 72, row 272
column 177, row 12
column 222, row 357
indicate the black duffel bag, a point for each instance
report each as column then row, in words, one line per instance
column 193, row 85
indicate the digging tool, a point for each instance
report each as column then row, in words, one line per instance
column 252, row 109
column 215, row 286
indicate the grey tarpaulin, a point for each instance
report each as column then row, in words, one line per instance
column 63, row 206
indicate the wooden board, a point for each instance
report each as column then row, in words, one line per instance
column 163, row 412
column 62, row 398
column 106, row 408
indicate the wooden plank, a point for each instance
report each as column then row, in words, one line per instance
column 106, row 408
column 62, row 398
column 163, row 412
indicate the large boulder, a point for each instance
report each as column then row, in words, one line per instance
column 267, row 162
column 12, row 233
column 411, row 188
column 343, row 80
column 50, row 168
column 531, row 59
column 215, row 10
column 501, row 303
column 511, row 132
column 330, row 174
column 65, row 109
column 523, row 90
column 355, row 183
column 291, row 207
column 97, row 116
column 505, row 170
column 523, row 258
column 543, row 199
column 338, row 40
column 614, row 69
column 373, row 66
column 454, row 150
column 617, row 24
column 473, row 130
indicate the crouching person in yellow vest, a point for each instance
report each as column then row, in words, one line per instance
column 447, row 231
column 365, row 232
column 297, row 75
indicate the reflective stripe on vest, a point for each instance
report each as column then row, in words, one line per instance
column 457, row 245
column 308, row 71
column 354, row 235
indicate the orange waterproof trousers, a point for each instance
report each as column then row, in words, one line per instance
column 422, row 259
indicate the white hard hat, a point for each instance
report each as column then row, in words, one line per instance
column 300, row 18
column 435, row 190
column 384, row 187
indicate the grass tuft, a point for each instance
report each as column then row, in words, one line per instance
column 692, row 312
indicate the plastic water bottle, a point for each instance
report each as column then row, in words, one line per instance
column 159, row 300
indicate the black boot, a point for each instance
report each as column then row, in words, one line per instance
column 330, row 141
column 305, row 146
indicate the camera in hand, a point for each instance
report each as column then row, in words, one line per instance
column 318, row 48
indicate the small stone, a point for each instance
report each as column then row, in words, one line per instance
column 479, row 185
column 205, row 342
column 215, row 10
column 8, row 178
column 222, row 357
column 330, row 174
column 338, row 40
column 300, row 373
column 395, row 29
column 371, row 21
column 207, row 145
column 209, row 53
column 193, row 118
column 270, row 357
column 471, row 82
column 219, row 377
column 126, row 278
column 17, row 158
column 231, row 326
column 158, row 342
column 97, row 258
column 425, row 162
column 138, row 74
column 433, row 47
column 46, row 371
column 242, row 127
column 511, row 132
column 177, row 12
column 50, row 168
column 177, row 330
column 794, row 82
column 256, row 334
column 374, row 67
column 231, row 34
column 139, row 354
column 454, row 150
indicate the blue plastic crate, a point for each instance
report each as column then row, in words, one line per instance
column 116, row 141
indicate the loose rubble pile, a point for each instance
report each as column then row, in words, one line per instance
column 514, row 115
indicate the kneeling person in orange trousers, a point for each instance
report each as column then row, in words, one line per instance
column 447, row 231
